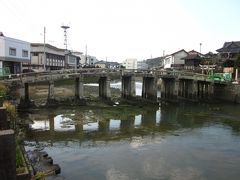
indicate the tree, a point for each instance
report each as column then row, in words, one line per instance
column 3, row 90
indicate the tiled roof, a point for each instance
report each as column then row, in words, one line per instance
column 47, row 45
column 232, row 47
column 178, row 52
column 193, row 56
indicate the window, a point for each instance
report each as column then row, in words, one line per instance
column 24, row 53
column 35, row 53
column 12, row 51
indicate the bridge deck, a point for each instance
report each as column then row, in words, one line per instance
column 36, row 77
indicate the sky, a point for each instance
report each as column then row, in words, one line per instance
column 115, row 30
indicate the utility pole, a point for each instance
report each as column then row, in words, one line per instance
column 200, row 47
column 44, row 49
column 86, row 58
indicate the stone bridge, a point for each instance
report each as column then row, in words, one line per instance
column 173, row 84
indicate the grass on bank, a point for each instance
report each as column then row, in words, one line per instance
column 20, row 168
column 11, row 116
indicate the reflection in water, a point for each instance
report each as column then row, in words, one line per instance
column 138, row 120
column 114, row 124
column 172, row 142
column 158, row 116
column 62, row 123
column 90, row 126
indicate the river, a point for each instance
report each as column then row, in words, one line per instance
column 172, row 142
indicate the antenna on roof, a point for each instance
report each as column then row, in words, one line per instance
column 65, row 35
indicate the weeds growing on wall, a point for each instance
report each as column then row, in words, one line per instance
column 3, row 90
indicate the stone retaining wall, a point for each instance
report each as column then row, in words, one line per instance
column 7, row 155
column 229, row 93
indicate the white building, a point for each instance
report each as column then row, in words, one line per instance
column 91, row 60
column 107, row 64
column 55, row 57
column 71, row 60
column 79, row 56
column 87, row 60
column 175, row 59
column 130, row 63
column 13, row 53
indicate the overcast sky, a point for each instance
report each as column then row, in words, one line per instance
column 120, row 29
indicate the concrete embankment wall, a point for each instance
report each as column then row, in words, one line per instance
column 230, row 93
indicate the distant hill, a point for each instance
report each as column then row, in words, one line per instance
column 154, row 62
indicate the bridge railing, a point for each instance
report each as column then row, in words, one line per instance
column 57, row 72
column 97, row 71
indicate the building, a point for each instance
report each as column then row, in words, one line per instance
column 91, row 60
column 175, row 60
column 79, row 56
column 230, row 50
column 55, row 57
column 87, row 60
column 142, row 65
column 71, row 60
column 193, row 60
column 13, row 52
column 229, row 53
column 113, row 65
column 106, row 64
column 130, row 63
column 101, row 64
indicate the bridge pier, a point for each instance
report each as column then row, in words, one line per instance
column 79, row 127
column 79, row 88
column 104, row 88
column 149, row 89
column 201, row 90
column 186, row 89
column 194, row 90
column 23, row 91
column 51, row 123
column 25, row 101
column 168, row 88
column 128, row 87
column 211, row 91
column 149, row 119
column 104, row 126
column 176, row 89
column 162, row 89
column 205, row 90
column 127, row 126
column 51, row 98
